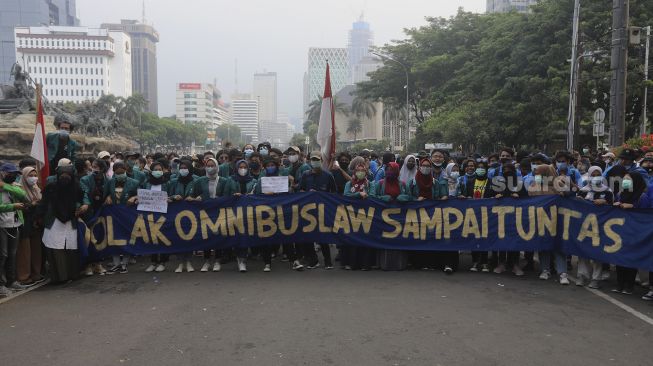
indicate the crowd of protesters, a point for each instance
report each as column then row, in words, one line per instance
column 38, row 235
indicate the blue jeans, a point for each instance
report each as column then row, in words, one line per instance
column 560, row 261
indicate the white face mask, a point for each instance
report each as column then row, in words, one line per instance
column 242, row 172
column 32, row 180
column 454, row 175
column 293, row 158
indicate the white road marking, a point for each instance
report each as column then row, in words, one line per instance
column 645, row 318
column 15, row 295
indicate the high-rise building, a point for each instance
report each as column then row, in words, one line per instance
column 361, row 39
column 195, row 103
column 75, row 64
column 16, row 13
column 244, row 114
column 364, row 67
column 505, row 6
column 265, row 93
column 221, row 115
column 144, row 66
column 338, row 66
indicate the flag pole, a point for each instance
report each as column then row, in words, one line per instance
column 36, row 122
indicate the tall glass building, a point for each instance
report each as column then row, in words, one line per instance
column 338, row 68
column 14, row 13
column 360, row 41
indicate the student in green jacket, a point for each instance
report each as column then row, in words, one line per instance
column 240, row 184
column 157, row 180
column 133, row 168
column 181, row 188
column 60, row 144
column 425, row 186
column 209, row 187
column 358, row 257
column 12, row 201
column 390, row 188
column 120, row 190
column 93, row 188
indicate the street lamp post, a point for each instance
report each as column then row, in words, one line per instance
column 386, row 57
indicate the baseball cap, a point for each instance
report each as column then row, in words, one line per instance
column 9, row 168
column 609, row 155
column 64, row 162
column 293, row 148
column 103, row 154
column 316, row 155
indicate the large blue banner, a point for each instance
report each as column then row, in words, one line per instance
column 608, row 234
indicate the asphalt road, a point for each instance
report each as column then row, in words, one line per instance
column 320, row 317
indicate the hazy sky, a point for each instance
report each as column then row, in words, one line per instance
column 200, row 39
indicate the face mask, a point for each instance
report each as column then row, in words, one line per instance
column 505, row 160
column 533, row 167
column 560, row 165
column 242, row 172
column 437, row 164
column 157, row 174
column 627, row 184
column 586, row 151
column 344, row 164
column 597, row 181
column 293, row 158
column 263, row 152
column 360, row 175
column 538, row 179
column 131, row 163
column 410, row 166
column 96, row 172
column 121, row 177
column 480, row 172
column 64, row 133
column 248, row 152
column 494, row 165
column 211, row 171
column 271, row 170
column 316, row 164
column 425, row 170
column 454, row 175
column 32, row 180
column 254, row 165
column 286, row 162
column 184, row 172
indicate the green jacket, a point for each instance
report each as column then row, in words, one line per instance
column 440, row 189
column 378, row 192
column 175, row 187
column 130, row 189
column 139, row 176
column 16, row 195
column 233, row 186
column 348, row 193
column 224, row 170
column 202, row 188
column 52, row 141
column 88, row 186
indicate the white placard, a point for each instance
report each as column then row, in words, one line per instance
column 274, row 184
column 153, row 201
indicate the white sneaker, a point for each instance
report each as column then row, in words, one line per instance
column 4, row 292
column 216, row 266
column 242, row 267
column 180, row 268
column 160, row 268
column 517, row 271
column 545, row 275
column 150, row 268
column 189, row 267
column 99, row 269
column 297, row 266
column 205, row 267
column 564, row 280
column 267, row 268
column 500, row 269
column 89, row 271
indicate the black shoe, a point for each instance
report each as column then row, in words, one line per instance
column 114, row 269
column 123, row 269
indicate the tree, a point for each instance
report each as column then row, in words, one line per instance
column 315, row 109
column 355, row 127
column 363, row 107
column 229, row 132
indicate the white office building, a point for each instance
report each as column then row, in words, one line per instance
column 195, row 103
column 314, row 80
column 76, row 64
column 221, row 115
column 244, row 114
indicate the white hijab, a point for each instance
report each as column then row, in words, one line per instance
column 406, row 175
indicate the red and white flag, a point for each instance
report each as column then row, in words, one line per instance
column 39, row 146
column 326, row 129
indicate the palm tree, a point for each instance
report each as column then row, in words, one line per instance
column 355, row 127
column 363, row 107
column 315, row 109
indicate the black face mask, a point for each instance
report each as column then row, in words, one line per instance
column 254, row 166
column 343, row 163
column 10, row 179
column 410, row 166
